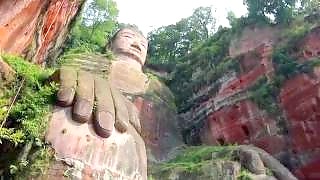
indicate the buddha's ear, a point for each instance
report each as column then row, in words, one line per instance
column 111, row 39
column 109, row 45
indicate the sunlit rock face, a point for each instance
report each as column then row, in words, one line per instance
column 35, row 28
column 253, row 65
column 246, row 42
column 229, row 116
column 310, row 45
column 300, row 101
column 243, row 123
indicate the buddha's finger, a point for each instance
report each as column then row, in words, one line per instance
column 82, row 109
column 68, row 83
column 104, row 115
column 122, row 115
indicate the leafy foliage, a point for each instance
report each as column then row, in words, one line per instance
column 244, row 175
column 169, row 43
column 34, row 100
column 94, row 27
column 282, row 10
column 309, row 6
column 264, row 94
column 28, row 119
column 204, row 65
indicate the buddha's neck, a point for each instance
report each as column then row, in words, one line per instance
column 132, row 63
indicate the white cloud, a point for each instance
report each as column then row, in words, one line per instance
column 151, row 14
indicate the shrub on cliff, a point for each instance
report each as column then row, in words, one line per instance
column 22, row 128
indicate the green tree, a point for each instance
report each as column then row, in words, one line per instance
column 203, row 22
column 94, row 26
column 281, row 10
column 309, row 6
column 168, row 44
column 232, row 19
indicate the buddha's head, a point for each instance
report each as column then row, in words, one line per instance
column 130, row 45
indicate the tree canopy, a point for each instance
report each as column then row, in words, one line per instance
column 94, row 26
column 169, row 43
column 281, row 10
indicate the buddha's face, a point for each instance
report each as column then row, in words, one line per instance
column 130, row 44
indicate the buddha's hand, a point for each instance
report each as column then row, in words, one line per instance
column 92, row 98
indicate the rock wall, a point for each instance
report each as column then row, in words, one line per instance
column 232, row 117
column 36, row 28
column 158, row 119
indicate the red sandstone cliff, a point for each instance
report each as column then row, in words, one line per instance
column 35, row 28
column 230, row 116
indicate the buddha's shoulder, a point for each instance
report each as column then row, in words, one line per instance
column 157, row 87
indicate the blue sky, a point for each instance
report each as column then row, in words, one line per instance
column 151, row 14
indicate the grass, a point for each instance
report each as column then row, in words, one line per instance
column 193, row 158
column 244, row 175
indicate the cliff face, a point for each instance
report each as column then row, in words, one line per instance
column 158, row 119
column 291, row 131
column 35, row 28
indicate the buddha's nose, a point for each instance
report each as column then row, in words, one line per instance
column 135, row 42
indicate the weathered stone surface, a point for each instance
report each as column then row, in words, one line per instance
column 127, row 79
column 310, row 46
column 158, row 118
column 251, row 160
column 254, row 65
column 252, row 37
column 279, row 171
column 241, row 123
column 154, row 102
column 310, row 170
column 121, row 156
column 36, row 28
column 6, row 72
column 231, row 170
column 218, row 170
column 261, row 177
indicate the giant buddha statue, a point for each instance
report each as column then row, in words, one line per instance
column 108, row 111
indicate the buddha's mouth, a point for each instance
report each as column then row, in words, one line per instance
column 136, row 48
column 133, row 57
